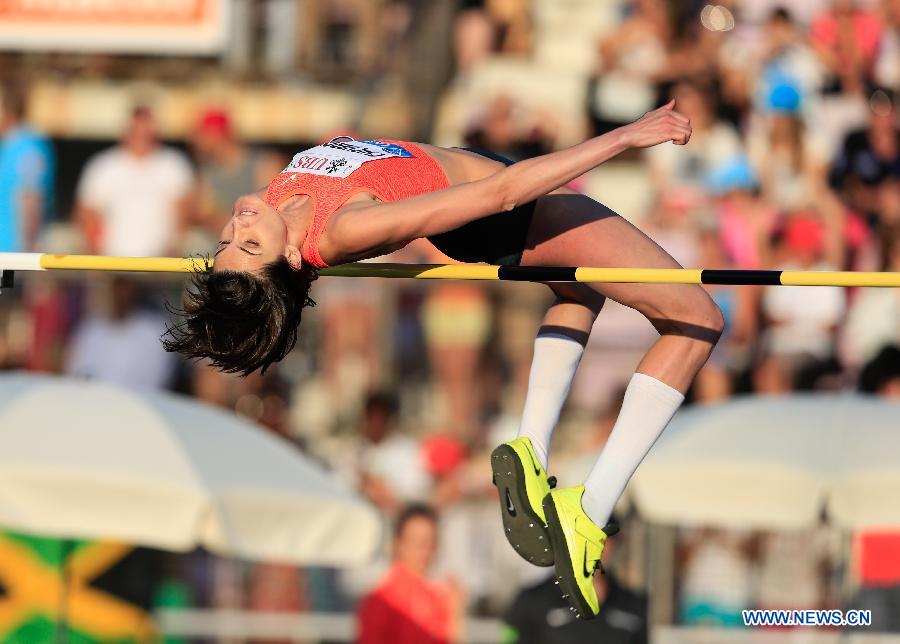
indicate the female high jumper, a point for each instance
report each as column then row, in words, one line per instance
column 349, row 200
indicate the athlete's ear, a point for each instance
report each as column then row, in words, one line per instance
column 292, row 253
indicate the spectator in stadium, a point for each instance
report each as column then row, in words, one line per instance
column 869, row 155
column 122, row 346
column 131, row 198
column 226, row 168
column 887, row 71
column 785, row 57
column 873, row 319
column 539, row 615
column 713, row 143
column 630, row 59
column 888, row 205
column 793, row 568
column 27, row 169
column 351, row 357
column 474, row 37
column 846, row 36
column 407, row 607
column 456, row 322
column 800, row 323
column 787, row 155
column 673, row 223
column 881, row 376
column 716, row 577
column 387, row 466
column 507, row 127
column 26, row 176
column 744, row 221
column 716, row 381
column 484, row 27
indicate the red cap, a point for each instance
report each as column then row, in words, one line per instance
column 215, row 121
column 443, row 454
column 805, row 233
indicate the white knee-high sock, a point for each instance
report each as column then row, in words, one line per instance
column 648, row 407
column 556, row 358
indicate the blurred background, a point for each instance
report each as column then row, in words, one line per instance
column 129, row 127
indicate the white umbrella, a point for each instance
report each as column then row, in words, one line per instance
column 87, row 460
column 775, row 463
column 866, row 484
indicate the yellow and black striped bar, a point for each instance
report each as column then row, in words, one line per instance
column 10, row 262
column 616, row 275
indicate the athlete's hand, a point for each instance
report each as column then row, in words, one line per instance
column 660, row 125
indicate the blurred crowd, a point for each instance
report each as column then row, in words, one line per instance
column 403, row 388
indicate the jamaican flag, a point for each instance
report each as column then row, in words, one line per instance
column 55, row 590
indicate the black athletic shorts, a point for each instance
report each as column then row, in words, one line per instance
column 496, row 239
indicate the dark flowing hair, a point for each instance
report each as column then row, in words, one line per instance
column 241, row 321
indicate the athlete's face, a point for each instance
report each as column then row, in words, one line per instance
column 256, row 235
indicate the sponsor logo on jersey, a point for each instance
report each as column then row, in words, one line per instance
column 393, row 148
column 341, row 158
column 358, row 147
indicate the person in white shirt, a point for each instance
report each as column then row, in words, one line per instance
column 873, row 319
column 131, row 198
column 800, row 323
column 887, row 71
column 387, row 466
column 714, row 143
column 122, row 347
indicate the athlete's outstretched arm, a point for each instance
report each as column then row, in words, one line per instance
column 359, row 229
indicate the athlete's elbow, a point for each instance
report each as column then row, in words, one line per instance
column 505, row 193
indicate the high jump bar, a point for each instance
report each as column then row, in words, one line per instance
column 46, row 262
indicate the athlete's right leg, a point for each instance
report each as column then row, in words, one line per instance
column 558, row 349
column 520, row 466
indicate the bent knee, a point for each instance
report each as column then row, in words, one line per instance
column 696, row 315
column 714, row 320
column 578, row 294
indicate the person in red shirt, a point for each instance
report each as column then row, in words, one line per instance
column 406, row 607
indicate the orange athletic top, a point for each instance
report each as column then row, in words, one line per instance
column 333, row 172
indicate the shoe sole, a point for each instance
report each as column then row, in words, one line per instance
column 565, row 575
column 523, row 528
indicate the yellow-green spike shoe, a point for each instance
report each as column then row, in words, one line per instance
column 522, row 482
column 577, row 544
